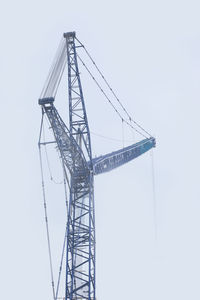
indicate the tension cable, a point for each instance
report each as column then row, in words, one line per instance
column 154, row 196
column 47, row 159
column 110, row 138
column 55, row 292
column 112, row 91
column 47, row 225
column 108, row 99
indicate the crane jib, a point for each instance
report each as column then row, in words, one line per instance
column 118, row 158
column 71, row 153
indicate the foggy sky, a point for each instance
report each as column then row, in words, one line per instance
column 149, row 51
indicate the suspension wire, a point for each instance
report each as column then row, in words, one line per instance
column 154, row 196
column 41, row 127
column 123, row 133
column 52, row 69
column 55, row 73
column 60, row 157
column 64, row 243
column 65, row 178
column 65, row 187
column 133, row 134
column 47, row 159
column 109, row 138
column 108, row 99
column 47, row 225
column 114, row 94
column 65, row 236
column 61, row 263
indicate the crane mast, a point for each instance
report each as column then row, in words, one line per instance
column 74, row 145
column 80, row 278
column 78, row 122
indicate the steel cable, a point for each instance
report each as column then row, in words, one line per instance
column 55, row 73
column 108, row 99
column 61, row 263
column 47, row 225
column 154, row 196
column 112, row 91
column 65, row 236
column 48, row 162
column 55, row 293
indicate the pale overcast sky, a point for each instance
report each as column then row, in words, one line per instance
column 150, row 53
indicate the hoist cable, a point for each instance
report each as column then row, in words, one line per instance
column 154, row 196
column 52, row 70
column 65, row 177
column 123, row 133
column 55, row 293
column 65, row 236
column 109, row 138
column 61, row 264
column 41, row 127
column 55, row 73
column 47, row 225
column 112, row 91
column 47, row 159
column 133, row 135
column 108, row 99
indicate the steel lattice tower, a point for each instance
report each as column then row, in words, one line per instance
column 74, row 145
column 80, row 280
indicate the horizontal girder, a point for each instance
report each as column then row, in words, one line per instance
column 120, row 157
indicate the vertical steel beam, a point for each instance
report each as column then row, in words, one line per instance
column 78, row 123
column 80, row 262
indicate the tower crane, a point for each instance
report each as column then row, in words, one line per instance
column 80, row 167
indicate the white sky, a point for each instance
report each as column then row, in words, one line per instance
column 150, row 52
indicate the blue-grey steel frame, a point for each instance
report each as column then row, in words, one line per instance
column 113, row 160
column 80, row 274
column 75, row 149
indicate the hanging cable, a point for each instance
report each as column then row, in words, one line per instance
column 65, row 236
column 108, row 99
column 110, row 88
column 154, row 196
column 47, row 225
column 65, row 189
column 47, row 159
column 61, row 263
column 109, row 138
column 123, row 133
column 55, row 73
column 133, row 135
column 65, row 177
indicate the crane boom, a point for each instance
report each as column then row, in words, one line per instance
column 70, row 151
column 118, row 158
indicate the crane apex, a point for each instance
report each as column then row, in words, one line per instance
column 69, row 34
column 45, row 100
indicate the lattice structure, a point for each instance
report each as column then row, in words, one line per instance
column 74, row 145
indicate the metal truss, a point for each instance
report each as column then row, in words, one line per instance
column 78, row 122
column 74, row 145
column 113, row 160
column 80, row 278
